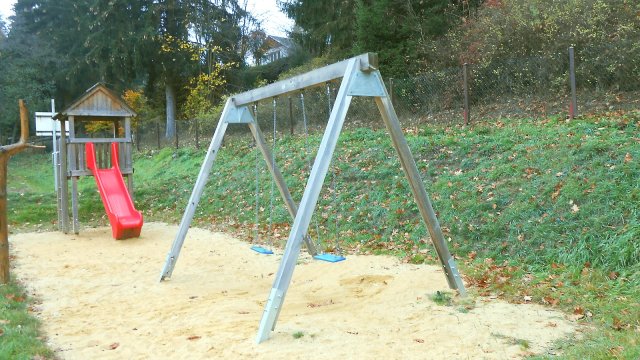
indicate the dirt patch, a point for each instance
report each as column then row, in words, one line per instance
column 101, row 298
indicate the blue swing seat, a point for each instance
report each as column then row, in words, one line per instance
column 261, row 250
column 329, row 257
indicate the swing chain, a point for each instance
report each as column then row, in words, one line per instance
column 334, row 189
column 307, row 155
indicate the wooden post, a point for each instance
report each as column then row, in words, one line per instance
column 197, row 134
column 465, row 81
column 73, row 162
column 5, row 153
column 573, row 107
column 158, row 132
column 64, row 185
column 291, row 124
column 176, row 131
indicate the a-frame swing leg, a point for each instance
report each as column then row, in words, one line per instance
column 354, row 83
column 419, row 193
column 307, row 205
column 203, row 176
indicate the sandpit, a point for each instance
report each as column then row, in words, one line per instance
column 100, row 298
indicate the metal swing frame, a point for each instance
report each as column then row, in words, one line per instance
column 360, row 77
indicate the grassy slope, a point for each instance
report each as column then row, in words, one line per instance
column 545, row 209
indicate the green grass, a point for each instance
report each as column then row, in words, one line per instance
column 441, row 298
column 19, row 330
column 539, row 208
column 298, row 334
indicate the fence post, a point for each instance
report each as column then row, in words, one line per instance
column 573, row 107
column 138, row 135
column 465, row 81
column 197, row 134
column 291, row 114
column 176, row 135
column 391, row 90
column 158, row 133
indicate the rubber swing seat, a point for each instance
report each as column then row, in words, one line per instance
column 261, row 250
column 329, row 257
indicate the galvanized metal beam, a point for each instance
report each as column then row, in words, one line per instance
column 203, row 176
column 307, row 205
column 419, row 193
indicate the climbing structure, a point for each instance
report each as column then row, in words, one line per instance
column 97, row 104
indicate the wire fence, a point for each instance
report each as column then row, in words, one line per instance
column 531, row 87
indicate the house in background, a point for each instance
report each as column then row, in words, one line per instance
column 276, row 48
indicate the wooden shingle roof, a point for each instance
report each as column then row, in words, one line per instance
column 98, row 100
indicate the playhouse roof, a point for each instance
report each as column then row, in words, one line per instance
column 98, row 100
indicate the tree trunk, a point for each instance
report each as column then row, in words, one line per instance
column 4, row 228
column 5, row 153
column 171, row 111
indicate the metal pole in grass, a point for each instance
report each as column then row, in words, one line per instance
column 158, row 132
column 5, row 153
column 465, row 81
column 176, row 135
column 197, row 134
column 391, row 89
column 573, row 107
column 291, row 125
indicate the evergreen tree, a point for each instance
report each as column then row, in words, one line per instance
column 27, row 67
column 324, row 27
column 398, row 30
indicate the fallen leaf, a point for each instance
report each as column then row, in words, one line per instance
column 578, row 310
column 527, row 298
column 419, row 340
column 193, row 337
column 628, row 158
column 113, row 346
column 4, row 322
column 551, row 301
column 616, row 351
column 614, row 275
column 575, row 208
column 617, row 324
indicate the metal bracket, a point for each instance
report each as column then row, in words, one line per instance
column 367, row 84
column 240, row 115
column 456, row 277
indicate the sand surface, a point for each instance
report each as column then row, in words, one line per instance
column 100, row 298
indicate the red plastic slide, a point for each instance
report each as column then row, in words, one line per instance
column 126, row 221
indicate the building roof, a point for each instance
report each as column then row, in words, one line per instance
column 98, row 100
column 286, row 42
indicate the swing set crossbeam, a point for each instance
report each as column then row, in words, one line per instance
column 367, row 62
